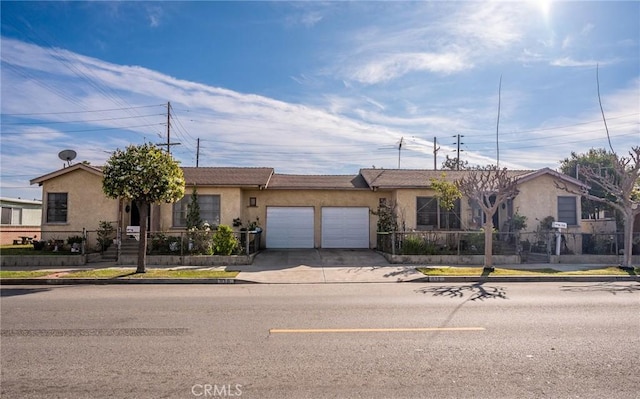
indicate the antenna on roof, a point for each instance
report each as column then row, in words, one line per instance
column 67, row 155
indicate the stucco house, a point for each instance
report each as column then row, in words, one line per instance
column 20, row 220
column 300, row 211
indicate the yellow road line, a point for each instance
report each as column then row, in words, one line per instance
column 357, row 330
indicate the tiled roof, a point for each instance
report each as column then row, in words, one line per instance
column 366, row 179
column 415, row 178
column 351, row 182
column 238, row 177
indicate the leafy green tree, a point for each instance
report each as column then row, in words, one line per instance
column 596, row 159
column 146, row 175
column 447, row 194
column 620, row 186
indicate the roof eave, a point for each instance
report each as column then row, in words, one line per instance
column 68, row 169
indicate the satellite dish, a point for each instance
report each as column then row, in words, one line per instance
column 67, row 155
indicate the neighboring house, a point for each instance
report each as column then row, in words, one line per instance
column 20, row 220
column 301, row 211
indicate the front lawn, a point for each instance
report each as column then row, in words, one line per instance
column 477, row 271
column 151, row 273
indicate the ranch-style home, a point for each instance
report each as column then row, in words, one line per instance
column 301, row 211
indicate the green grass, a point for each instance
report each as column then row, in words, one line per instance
column 23, row 274
column 151, row 273
column 477, row 271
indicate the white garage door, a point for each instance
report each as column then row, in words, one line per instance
column 289, row 227
column 345, row 227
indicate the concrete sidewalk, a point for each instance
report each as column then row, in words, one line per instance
column 315, row 266
column 357, row 266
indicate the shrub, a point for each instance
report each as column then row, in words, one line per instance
column 201, row 240
column 105, row 235
column 224, row 241
column 418, row 246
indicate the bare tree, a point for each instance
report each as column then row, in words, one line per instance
column 489, row 188
column 620, row 186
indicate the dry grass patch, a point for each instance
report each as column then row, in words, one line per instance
column 23, row 273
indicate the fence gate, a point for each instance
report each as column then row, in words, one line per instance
column 537, row 247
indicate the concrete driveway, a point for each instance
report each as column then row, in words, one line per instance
column 286, row 258
column 311, row 266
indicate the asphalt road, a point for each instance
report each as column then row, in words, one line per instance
column 533, row 340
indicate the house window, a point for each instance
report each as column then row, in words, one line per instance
column 56, row 207
column 567, row 210
column 253, row 201
column 6, row 215
column 429, row 214
column 209, row 210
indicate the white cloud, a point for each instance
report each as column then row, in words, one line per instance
column 329, row 132
column 457, row 40
column 569, row 62
column 396, row 65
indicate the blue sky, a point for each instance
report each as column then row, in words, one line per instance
column 315, row 87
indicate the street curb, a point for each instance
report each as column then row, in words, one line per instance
column 89, row 281
column 426, row 279
column 523, row 279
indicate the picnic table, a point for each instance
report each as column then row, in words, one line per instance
column 24, row 240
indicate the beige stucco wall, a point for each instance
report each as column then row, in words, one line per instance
column 406, row 200
column 230, row 200
column 87, row 205
column 315, row 198
column 538, row 198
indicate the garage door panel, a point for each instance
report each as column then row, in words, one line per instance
column 345, row 227
column 289, row 227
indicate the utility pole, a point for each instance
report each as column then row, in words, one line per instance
column 400, row 149
column 458, row 156
column 498, row 125
column 168, row 143
column 169, row 127
column 198, row 153
column 435, row 154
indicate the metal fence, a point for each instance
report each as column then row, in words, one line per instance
column 199, row 243
column 53, row 240
column 522, row 243
column 445, row 243
column 158, row 243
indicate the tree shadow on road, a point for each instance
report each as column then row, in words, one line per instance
column 612, row 287
column 403, row 272
column 476, row 291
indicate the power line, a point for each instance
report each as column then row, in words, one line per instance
column 84, row 130
column 63, row 58
column 537, row 138
column 78, row 121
